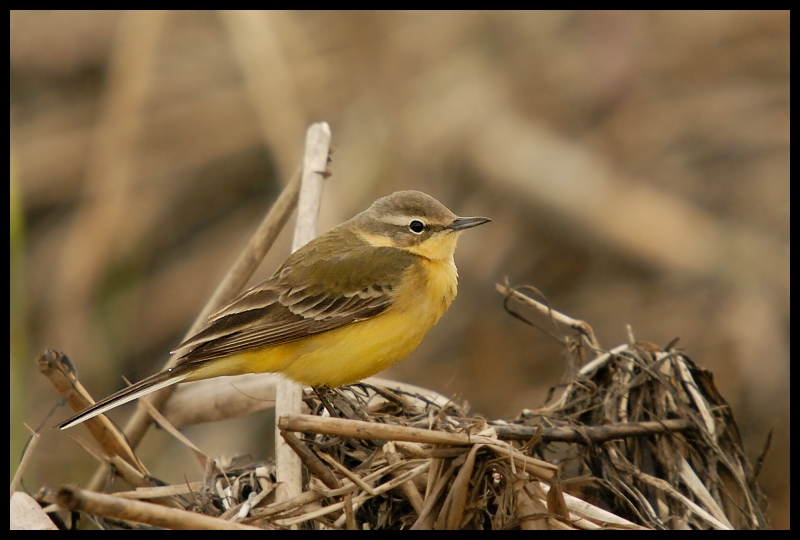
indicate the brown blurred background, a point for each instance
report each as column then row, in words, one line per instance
column 635, row 164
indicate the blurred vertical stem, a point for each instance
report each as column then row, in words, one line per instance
column 289, row 394
column 18, row 336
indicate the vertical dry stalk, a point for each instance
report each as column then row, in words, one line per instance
column 288, row 400
column 108, row 184
column 259, row 51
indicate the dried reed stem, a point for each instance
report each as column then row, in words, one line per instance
column 289, row 394
column 81, row 500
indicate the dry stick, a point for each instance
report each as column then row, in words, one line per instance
column 59, row 371
column 460, row 491
column 348, row 517
column 76, row 499
column 161, row 491
column 221, row 399
column 349, row 514
column 289, row 471
column 592, row 434
column 433, row 472
column 303, row 499
column 233, row 282
column 350, row 475
column 371, row 431
column 697, row 397
column 315, row 465
column 575, row 324
column 26, row 457
column 409, row 488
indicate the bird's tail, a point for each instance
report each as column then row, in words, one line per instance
column 142, row 388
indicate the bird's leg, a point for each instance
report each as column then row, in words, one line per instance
column 323, row 393
column 337, row 404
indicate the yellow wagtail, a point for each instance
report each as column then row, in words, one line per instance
column 341, row 308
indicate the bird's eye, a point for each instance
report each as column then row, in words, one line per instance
column 416, row 226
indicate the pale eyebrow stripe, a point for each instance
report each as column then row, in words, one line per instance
column 401, row 221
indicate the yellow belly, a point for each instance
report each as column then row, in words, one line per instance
column 359, row 350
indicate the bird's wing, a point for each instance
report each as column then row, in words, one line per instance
column 323, row 286
column 305, row 296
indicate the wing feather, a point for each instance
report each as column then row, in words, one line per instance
column 301, row 300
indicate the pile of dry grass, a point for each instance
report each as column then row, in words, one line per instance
column 639, row 438
column 654, row 441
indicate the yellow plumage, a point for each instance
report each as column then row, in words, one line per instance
column 359, row 350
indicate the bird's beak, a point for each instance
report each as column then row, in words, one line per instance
column 459, row 224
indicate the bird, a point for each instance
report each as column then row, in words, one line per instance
column 343, row 307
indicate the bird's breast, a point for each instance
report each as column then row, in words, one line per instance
column 356, row 351
column 427, row 290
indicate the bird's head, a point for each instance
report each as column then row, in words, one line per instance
column 415, row 222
